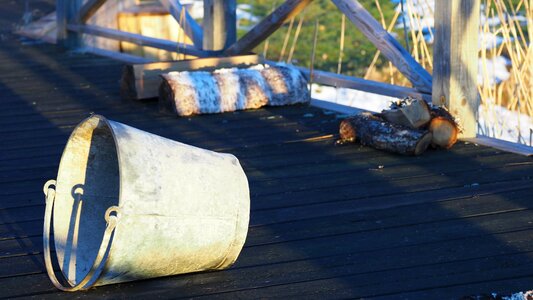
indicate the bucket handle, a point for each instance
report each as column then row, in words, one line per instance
column 96, row 269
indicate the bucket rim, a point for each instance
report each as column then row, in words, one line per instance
column 107, row 123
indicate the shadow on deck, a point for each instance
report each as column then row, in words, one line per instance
column 326, row 222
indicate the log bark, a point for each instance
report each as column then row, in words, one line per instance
column 443, row 127
column 141, row 81
column 374, row 131
column 190, row 93
column 413, row 113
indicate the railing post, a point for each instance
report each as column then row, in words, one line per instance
column 455, row 61
column 219, row 24
column 67, row 13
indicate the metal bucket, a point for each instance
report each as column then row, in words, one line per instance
column 131, row 205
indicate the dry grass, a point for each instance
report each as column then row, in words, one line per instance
column 516, row 93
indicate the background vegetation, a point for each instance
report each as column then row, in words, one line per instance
column 358, row 51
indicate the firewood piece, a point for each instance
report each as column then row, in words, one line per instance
column 287, row 85
column 200, row 92
column 443, row 127
column 413, row 113
column 376, row 132
column 141, row 81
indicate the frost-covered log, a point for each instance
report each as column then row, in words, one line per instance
column 200, row 92
column 443, row 127
column 373, row 131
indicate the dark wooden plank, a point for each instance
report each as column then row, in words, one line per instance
column 434, row 231
column 485, row 204
column 266, row 211
column 332, row 208
column 351, row 168
column 357, row 166
column 510, row 274
column 477, row 208
column 286, row 127
column 347, row 163
column 21, row 230
column 488, row 205
column 344, row 161
column 185, row 286
column 277, row 178
column 501, row 286
column 263, row 272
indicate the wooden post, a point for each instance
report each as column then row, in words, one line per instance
column 89, row 9
column 220, row 24
column 68, row 13
column 455, row 61
column 192, row 29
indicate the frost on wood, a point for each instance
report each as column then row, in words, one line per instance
column 374, row 131
column 200, row 92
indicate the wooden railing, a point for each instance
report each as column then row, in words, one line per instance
column 453, row 85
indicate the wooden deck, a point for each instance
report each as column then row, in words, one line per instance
column 326, row 222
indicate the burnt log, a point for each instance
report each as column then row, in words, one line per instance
column 378, row 133
column 200, row 92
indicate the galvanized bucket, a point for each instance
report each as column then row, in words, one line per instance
column 130, row 205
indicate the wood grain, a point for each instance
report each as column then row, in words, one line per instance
column 220, row 24
column 67, row 13
column 455, row 61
